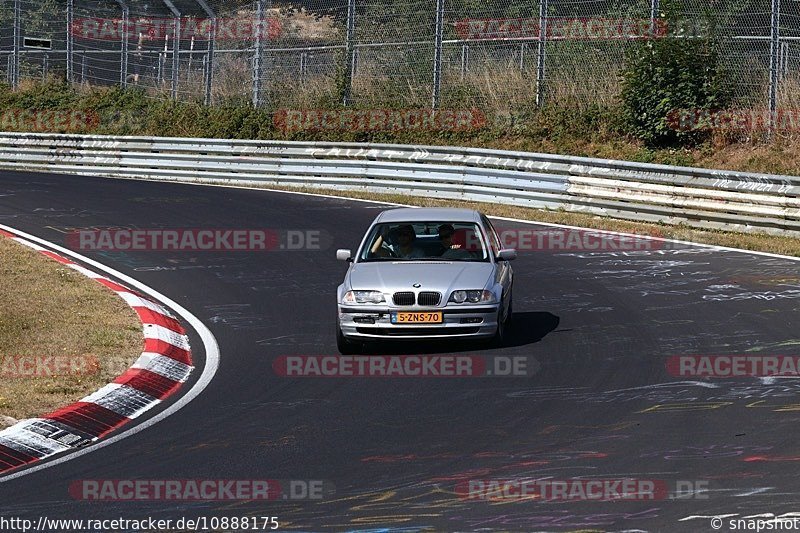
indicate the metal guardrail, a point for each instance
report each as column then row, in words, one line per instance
column 714, row 199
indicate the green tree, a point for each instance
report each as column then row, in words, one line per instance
column 666, row 75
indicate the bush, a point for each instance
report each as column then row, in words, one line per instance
column 665, row 75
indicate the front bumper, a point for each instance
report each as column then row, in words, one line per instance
column 459, row 322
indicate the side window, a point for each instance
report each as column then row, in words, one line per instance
column 494, row 240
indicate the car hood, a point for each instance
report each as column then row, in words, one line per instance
column 432, row 276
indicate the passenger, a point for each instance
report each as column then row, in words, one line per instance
column 463, row 243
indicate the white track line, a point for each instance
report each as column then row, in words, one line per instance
column 209, row 369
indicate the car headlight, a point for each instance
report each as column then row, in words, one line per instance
column 363, row 297
column 472, row 297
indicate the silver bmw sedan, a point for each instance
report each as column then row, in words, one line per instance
column 427, row 273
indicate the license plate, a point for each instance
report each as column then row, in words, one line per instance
column 417, row 318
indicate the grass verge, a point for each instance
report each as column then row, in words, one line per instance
column 62, row 335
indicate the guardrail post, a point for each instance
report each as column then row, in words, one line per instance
column 350, row 53
column 774, row 52
column 437, row 55
column 542, row 54
column 15, row 51
column 258, row 61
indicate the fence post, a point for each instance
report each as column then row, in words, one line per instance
column 15, row 56
column 774, row 52
column 70, row 40
column 784, row 62
column 162, row 56
column 542, row 53
column 123, row 53
column 350, row 53
column 208, row 73
column 176, row 45
column 258, row 66
column 655, row 7
column 464, row 60
column 437, row 56
column 45, row 65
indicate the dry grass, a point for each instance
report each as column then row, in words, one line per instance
column 51, row 310
column 782, row 156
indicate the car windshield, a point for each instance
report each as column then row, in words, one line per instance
column 425, row 241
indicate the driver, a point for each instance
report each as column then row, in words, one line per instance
column 405, row 247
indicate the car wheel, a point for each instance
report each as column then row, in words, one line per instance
column 345, row 346
column 499, row 339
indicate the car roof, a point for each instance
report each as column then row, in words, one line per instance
column 429, row 214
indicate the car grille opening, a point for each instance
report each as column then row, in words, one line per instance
column 411, row 331
column 403, row 298
column 429, row 298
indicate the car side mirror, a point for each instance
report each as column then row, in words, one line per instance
column 508, row 254
column 344, row 255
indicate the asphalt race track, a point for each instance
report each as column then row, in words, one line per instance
column 602, row 404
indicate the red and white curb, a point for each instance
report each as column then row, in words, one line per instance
column 164, row 365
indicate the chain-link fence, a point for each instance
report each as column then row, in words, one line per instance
column 488, row 54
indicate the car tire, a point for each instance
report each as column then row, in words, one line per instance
column 501, row 335
column 345, row 346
